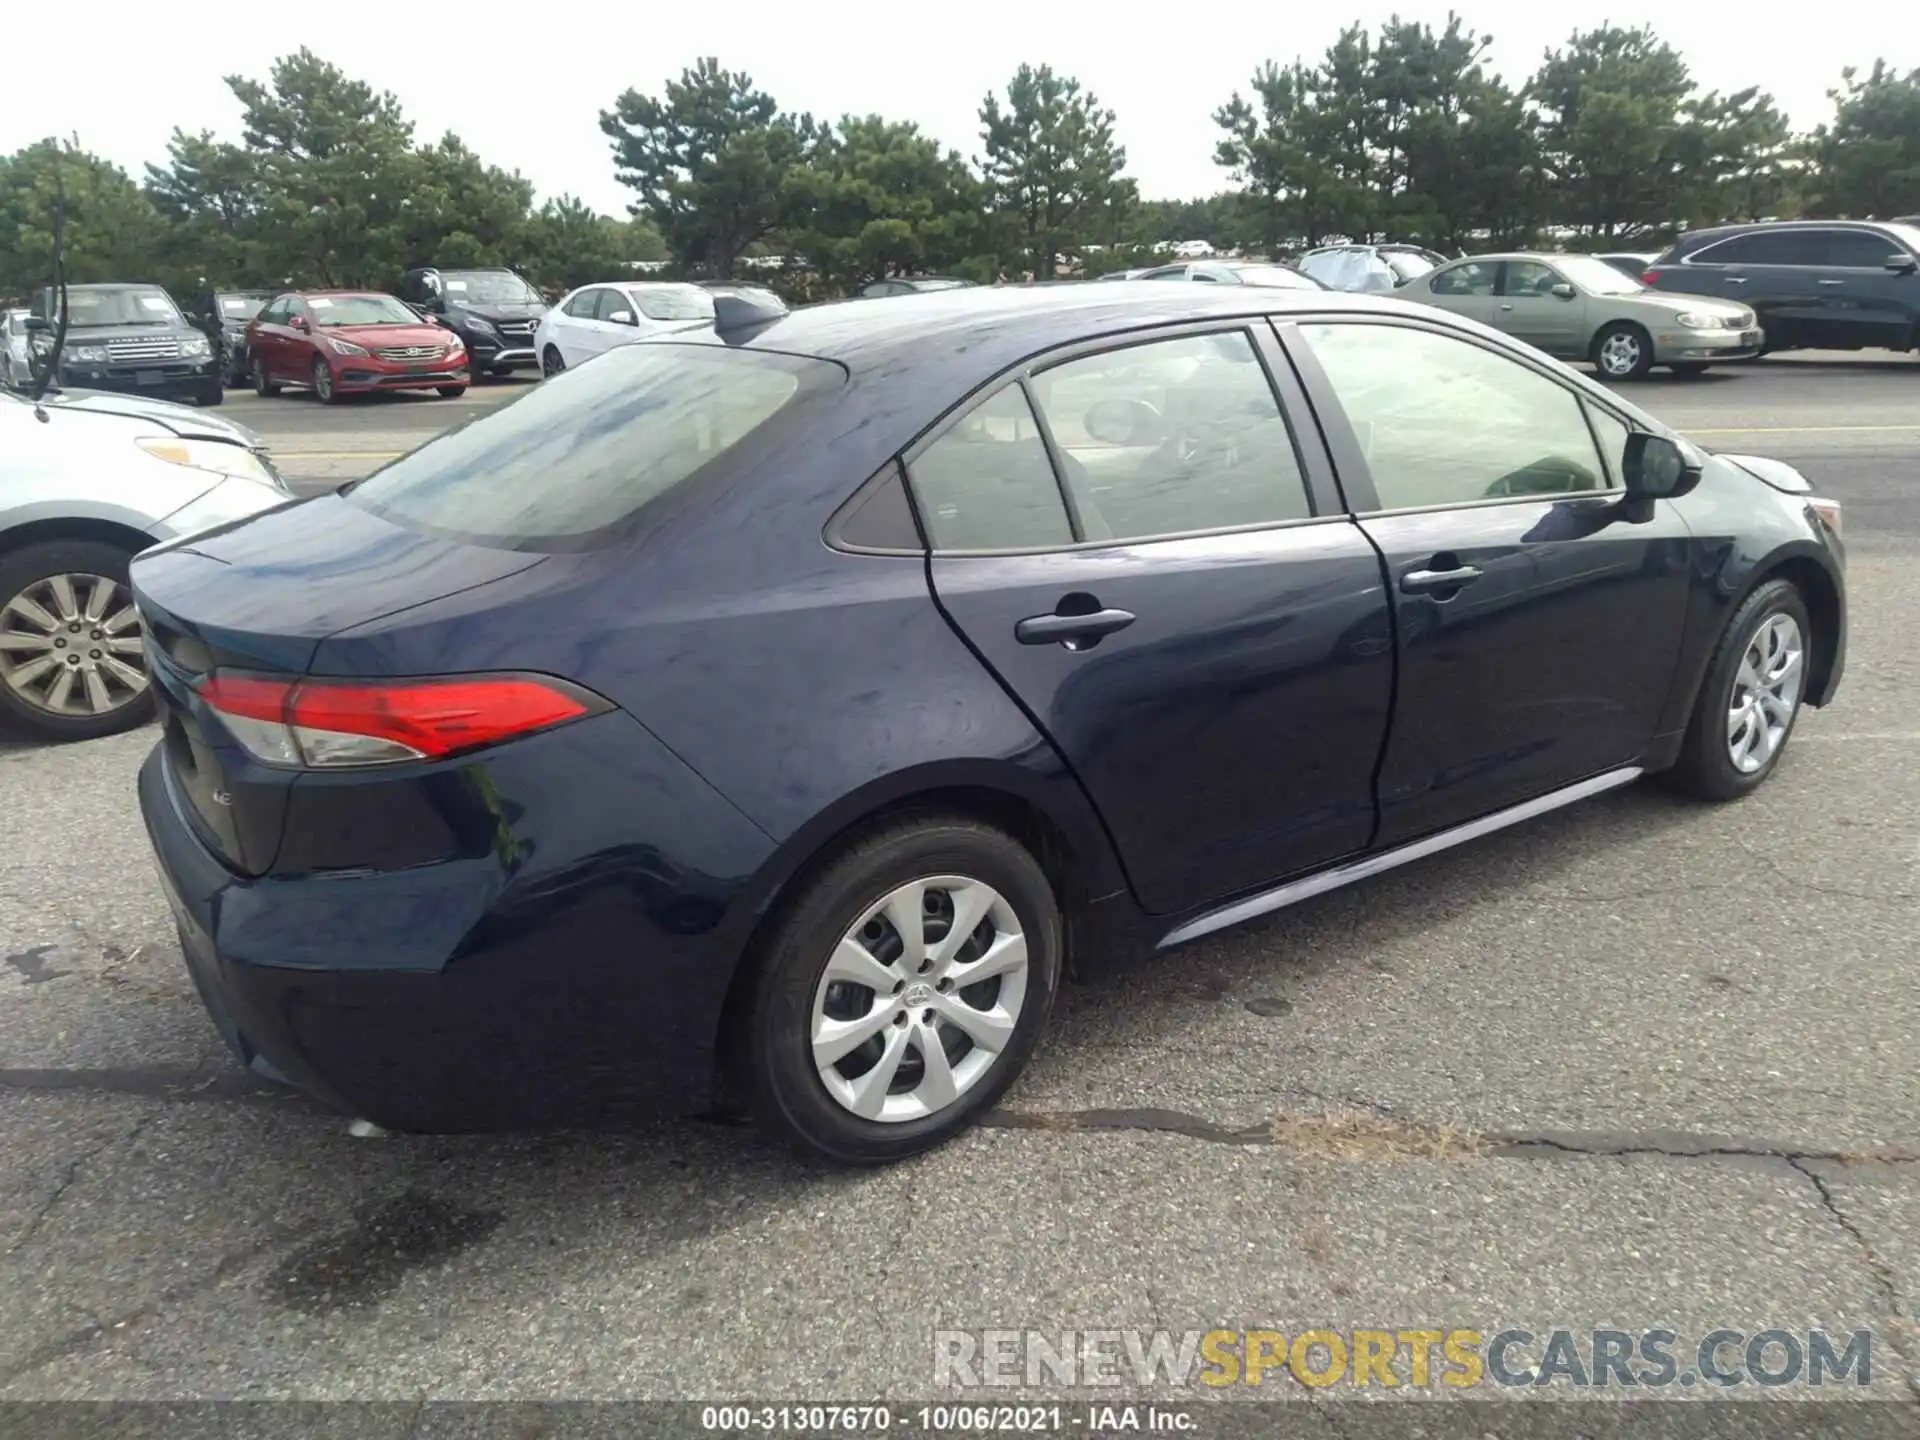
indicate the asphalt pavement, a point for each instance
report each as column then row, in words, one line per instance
column 1641, row 1063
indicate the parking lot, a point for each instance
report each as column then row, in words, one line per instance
column 1640, row 1063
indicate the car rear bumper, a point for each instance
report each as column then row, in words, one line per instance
column 486, row 990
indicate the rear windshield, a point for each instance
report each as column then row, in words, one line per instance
column 566, row 465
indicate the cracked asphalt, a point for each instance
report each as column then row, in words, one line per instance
column 1644, row 1063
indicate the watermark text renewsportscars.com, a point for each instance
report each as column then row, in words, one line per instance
column 1391, row 1359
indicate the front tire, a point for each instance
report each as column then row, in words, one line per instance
column 450, row 392
column 875, row 1029
column 71, row 665
column 1622, row 351
column 1751, row 696
column 212, row 394
column 323, row 386
column 552, row 362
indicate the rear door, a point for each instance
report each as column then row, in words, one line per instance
column 1527, row 309
column 1463, row 289
column 1154, row 561
column 1537, row 621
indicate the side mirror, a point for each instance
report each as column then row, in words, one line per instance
column 1902, row 264
column 1656, row 468
column 1122, row 422
column 1565, row 291
column 621, row 317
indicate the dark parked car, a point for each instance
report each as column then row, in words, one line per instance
column 345, row 342
column 796, row 705
column 909, row 285
column 1815, row 284
column 222, row 316
column 492, row 311
column 130, row 338
column 1233, row 272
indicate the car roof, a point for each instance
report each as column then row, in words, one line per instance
column 948, row 335
column 337, row 294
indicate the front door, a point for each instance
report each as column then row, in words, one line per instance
column 1528, row 310
column 1862, row 301
column 1537, row 625
column 1150, row 563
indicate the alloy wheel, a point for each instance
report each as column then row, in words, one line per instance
column 1766, row 693
column 323, row 382
column 919, row 999
column 1620, row 353
column 70, row 646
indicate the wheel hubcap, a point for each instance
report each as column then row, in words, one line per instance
column 919, row 999
column 1766, row 693
column 70, row 645
column 1619, row 354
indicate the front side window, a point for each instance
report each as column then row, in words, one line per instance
column 986, row 483
column 1529, row 277
column 604, row 441
column 1445, row 422
column 1612, row 433
column 1173, row 436
column 1854, row 249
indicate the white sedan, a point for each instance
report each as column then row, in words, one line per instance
column 599, row 317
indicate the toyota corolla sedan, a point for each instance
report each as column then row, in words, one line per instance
column 783, row 713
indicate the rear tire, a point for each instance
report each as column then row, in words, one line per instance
column 262, row 386
column 1689, row 371
column 25, row 697
column 450, row 392
column 1622, row 351
column 775, row 1048
column 1707, row 767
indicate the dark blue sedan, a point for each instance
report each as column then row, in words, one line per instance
column 780, row 712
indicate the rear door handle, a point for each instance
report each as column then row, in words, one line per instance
column 1071, row 630
column 1506, row 307
column 1832, row 282
column 1425, row 582
column 1736, row 279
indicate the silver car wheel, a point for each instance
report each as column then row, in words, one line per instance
column 69, row 656
column 1620, row 353
column 920, row 998
column 1766, row 693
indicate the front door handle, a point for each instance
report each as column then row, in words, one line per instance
column 1736, row 279
column 1506, row 307
column 1426, row 582
column 1073, row 631
column 1832, row 282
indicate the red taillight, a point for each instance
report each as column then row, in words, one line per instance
column 321, row 723
column 1649, row 276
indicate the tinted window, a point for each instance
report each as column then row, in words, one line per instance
column 1472, row 278
column 1405, row 392
column 580, row 306
column 1762, row 247
column 1173, row 436
column 1859, row 249
column 604, row 440
column 1528, row 277
column 986, row 484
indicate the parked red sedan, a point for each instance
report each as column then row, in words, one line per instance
column 343, row 342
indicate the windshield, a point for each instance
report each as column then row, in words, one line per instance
column 1277, row 276
column 242, row 307
column 329, row 310
column 604, row 441
column 488, row 287
column 1908, row 235
column 146, row 306
column 1596, row 277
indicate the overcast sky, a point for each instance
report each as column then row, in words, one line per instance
column 524, row 85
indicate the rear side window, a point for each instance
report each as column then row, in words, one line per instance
column 986, row 484
column 581, row 305
column 567, row 464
